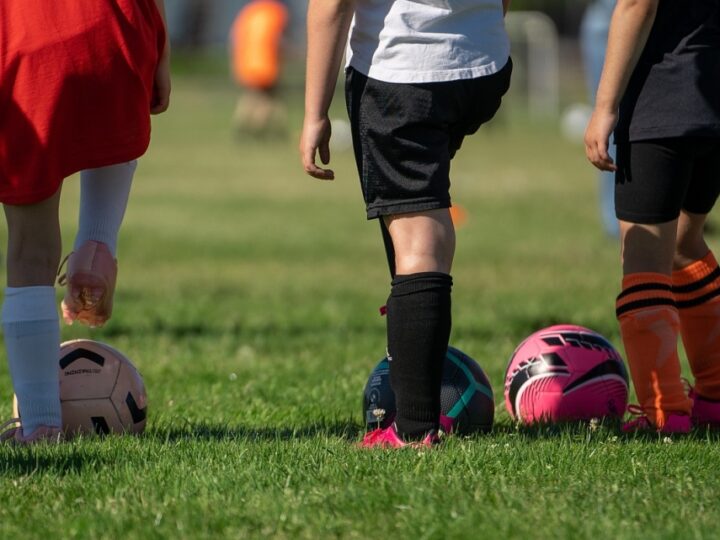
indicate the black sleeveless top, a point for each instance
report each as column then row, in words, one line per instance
column 675, row 88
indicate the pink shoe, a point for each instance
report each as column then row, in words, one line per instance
column 447, row 424
column 90, row 279
column 705, row 412
column 389, row 438
column 675, row 423
column 43, row 434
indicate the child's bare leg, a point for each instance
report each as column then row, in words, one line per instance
column 696, row 284
column 649, row 319
column 418, row 316
column 690, row 243
column 29, row 312
column 423, row 241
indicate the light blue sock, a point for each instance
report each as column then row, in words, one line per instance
column 32, row 341
column 104, row 194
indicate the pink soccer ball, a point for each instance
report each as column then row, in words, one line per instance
column 565, row 373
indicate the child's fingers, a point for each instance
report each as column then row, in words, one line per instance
column 161, row 100
column 312, row 169
column 598, row 155
column 161, row 90
column 606, row 162
column 324, row 152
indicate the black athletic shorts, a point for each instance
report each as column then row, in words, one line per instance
column 404, row 135
column 658, row 178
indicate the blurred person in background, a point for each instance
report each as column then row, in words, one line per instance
column 593, row 40
column 256, row 40
column 660, row 93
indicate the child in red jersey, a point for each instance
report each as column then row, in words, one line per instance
column 78, row 82
column 660, row 93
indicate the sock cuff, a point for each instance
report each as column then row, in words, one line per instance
column 642, row 278
column 43, row 410
column 421, row 281
column 23, row 304
column 414, row 421
column 695, row 271
column 643, row 290
column 697, row 283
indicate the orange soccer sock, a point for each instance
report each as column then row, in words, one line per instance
column 650, row 325
column 697, row 295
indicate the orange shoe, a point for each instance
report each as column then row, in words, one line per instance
column 90, row 279
column 43, row 434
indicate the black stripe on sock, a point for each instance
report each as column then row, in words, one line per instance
column 645, row 287
column 644, row 303
column 699, row 284
column 684, row 304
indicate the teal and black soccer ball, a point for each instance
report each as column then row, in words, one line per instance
column 467, row 404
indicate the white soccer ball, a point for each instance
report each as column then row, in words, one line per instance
column 574, row 121
column 341, row 139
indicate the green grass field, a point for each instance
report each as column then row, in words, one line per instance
column 248, row 298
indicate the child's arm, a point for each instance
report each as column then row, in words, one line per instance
column 630, row 27
column 328, row 22
column 161, row 91
column 506, row 6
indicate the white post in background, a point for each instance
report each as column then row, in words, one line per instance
column 538, row 32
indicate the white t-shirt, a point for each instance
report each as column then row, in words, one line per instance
column 409, row 41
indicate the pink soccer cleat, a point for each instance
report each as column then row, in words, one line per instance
column 90, row 279
column 674, row 424
column 705, row 412
column 389, row 438
column 43, row 434
column 447, row 424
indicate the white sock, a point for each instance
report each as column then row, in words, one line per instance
column 32, row 341
column 104, row 194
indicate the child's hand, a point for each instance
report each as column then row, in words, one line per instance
column 161, row 88
column 597, row 136
column 316, row 139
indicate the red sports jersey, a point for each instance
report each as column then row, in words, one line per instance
column 76, row 84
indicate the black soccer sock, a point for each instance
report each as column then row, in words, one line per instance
column 418, row 327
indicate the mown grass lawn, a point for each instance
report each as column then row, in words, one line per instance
column 248, row 298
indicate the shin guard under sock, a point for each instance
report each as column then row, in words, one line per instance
column 697, row 295
column 649, row 324
column 418, row 327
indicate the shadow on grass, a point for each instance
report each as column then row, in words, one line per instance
column 600, row 430
column 192, row 330
column 60, row 460
column 203, row 431
column 94, row 453
column 555, row 430
column 351, row 431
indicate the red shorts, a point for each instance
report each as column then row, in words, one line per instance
column 76, row 84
